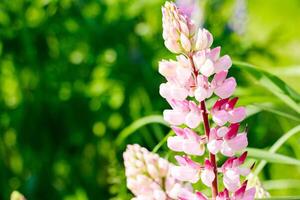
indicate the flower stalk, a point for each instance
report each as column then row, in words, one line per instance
column 212, row 157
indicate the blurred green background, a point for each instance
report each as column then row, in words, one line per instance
column 75, row 73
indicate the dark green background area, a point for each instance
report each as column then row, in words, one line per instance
column 74, row 74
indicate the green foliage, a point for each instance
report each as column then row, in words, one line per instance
column 79, row 80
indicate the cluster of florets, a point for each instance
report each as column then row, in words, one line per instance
column 198, row 73
column 148, row 175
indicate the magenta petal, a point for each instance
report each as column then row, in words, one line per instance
column 224, row 195
column 232, row 132
column 200, row 196
column 232, row 102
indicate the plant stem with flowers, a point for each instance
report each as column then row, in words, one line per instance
column 197, row 73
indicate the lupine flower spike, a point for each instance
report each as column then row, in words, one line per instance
column 198, row 73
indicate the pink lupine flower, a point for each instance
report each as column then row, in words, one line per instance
column 223, row 111
column 186, row 141
column 185, row 194
column 188, row 170
column 227, row 140
column 183, row 112
column 149, row 176
column 207, row 174
column 177, row 29
column 209, row 62
column 223, row 87
column 232, row 170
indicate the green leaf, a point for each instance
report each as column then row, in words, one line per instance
column 138, row 124
column 277, row 145
column 271, row 157
column 273, row 84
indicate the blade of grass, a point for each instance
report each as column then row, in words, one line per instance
column 164, row 140
column 277, row 111
column 272, row 157
column 281, row 184
column 138, row 124
column 277, row 145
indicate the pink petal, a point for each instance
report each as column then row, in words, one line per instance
column 201, row 93
column 185, row 194
column 249, row 194
column 193, row 119
column 174, row 117
column 226, row 150
column 219, row 78
column 244, row 171
column 173, row 46
column 207, row 69
column 185, row 173
column 175, row 143
column 185, row 42
column 192, row 147
column 214, row 53
column 207, row 177
column 191, row 135
column 222, row 131
column 164, row 91
column 237, row 115
column 220, row 117
column 178, row 92
column 178, row 131
column 183, row 74
column 239, row 142
column 231, row 180
column 214, row 146
column 167, row 68
column 226, row 89
column 224, row 63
